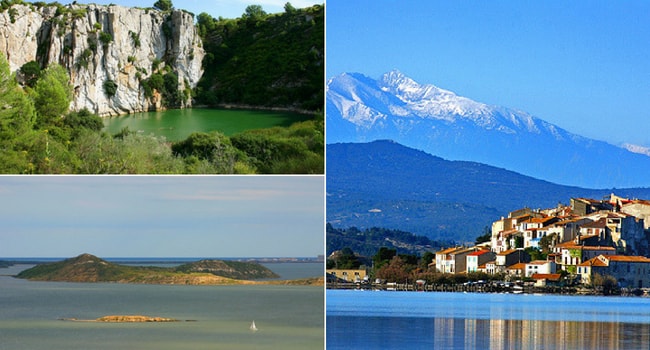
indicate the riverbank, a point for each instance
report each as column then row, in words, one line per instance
column 523, row 288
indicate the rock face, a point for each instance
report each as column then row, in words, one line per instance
column 98, row 43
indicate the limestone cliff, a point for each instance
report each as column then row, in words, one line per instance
column 105, row 43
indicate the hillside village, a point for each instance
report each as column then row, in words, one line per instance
column 575, row 244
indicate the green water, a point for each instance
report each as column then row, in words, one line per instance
column 177, row 124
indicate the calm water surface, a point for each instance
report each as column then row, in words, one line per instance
column 177, row 124
column 287, row 317
column 398, row 320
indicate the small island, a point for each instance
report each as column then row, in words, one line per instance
column 124, row 319
column 89, row 268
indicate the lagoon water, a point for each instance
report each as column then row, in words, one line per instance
column 418, row 320
column 177, row 124
column 288, row 317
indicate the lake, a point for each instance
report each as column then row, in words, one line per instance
column 177, row 124
column 418, row 320
column 288, row 317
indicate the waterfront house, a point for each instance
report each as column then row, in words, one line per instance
column 510, row 257
column 540, row 267
column 547, row 279
column 516, row 270
column 347, row 275
column 477, row 259
column 629, row 271
column 453, row 260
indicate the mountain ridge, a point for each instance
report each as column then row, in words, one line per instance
column 386, row 184
column 423, row 116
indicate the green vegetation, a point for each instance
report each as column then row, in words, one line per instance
column 110, row 88
column 106, row 38
column 372, row 240
column 270, row 60
column 135, row 37
column 89, row 268
column 230, row 269
column 163, row 5
column 264, row 60
column 30, row 72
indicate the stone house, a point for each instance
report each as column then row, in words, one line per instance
column 629, row 271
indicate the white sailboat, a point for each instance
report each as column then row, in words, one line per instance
column 253, row 327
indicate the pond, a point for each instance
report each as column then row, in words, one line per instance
column 177, row 124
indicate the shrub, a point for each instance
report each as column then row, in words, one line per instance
column 105, row 38
column 110, row 88
column 136, row 38
column 84, row 58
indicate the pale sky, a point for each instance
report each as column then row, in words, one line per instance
column 215, row 8
column 582, row 65
column 162, row 216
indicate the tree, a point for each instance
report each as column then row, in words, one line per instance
column 395, row 271
column 547, row 242
column 427, row 258
column 288, row 8
column 17, row 117
column 346, row 259
column 52, row 95
column 254, row 12
column 383, row 256
column 30, row 72
column 164, row 5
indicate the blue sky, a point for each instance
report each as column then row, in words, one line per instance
column 215, row 8
column 152, row 216
column 582, row 65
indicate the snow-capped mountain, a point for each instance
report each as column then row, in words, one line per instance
column 423, row 116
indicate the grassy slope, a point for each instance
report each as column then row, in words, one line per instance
column 88, row 268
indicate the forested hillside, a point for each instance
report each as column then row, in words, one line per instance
column 260, row 59
column 367, row 242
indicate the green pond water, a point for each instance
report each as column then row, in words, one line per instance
column 177, row 124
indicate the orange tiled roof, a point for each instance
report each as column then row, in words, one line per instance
column 507, row 252
column 449, row 250
column 567, row 244
column 537, row 262
column 594, row 262
column 591, row 247
column 546, row 276
column 517, row 266
column 600, row 223
column 627, row 258
column 478, row 252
